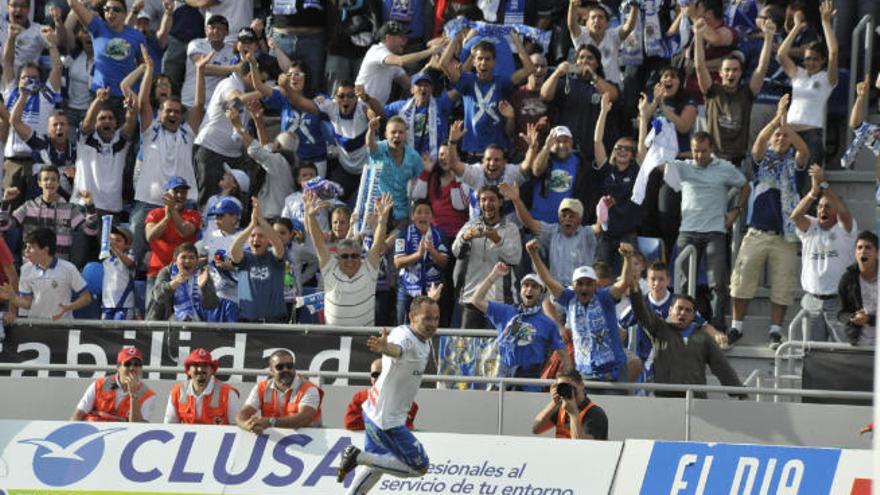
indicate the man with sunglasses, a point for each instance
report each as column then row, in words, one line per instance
column 109, row 398
column 354, row 413
column 284, row 400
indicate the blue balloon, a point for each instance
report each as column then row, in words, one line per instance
column 93, row 273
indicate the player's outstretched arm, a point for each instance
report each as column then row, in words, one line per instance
column 381, row 345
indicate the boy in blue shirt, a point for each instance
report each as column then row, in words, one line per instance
column 419, row 255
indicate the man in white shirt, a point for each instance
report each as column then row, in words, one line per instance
column 389, row 446
column 110, row 398
column 349, row 283
column 597, row 33
column 221, row 65
column 828, row 248
column 384, row 62
column 49, row 287
column 18, row 28
column 217, row 140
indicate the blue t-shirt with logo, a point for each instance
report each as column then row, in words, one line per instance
column 261, row 286
column 532, row 337
column 306, row 126
column 483, row 120
column 116, row 54
column 598, row 350
column 556, row 185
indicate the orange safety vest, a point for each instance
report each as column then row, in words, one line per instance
column 562, row 429
column 214, row 406
column 105, row 408
column 269, row 408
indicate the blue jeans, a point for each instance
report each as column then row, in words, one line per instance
column 310, row 48
column 714, row 246
column 136, row 222
column 403, row 301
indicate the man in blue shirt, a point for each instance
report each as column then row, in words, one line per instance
column 525, row 334
column 591, row 315
column 400, row 162
column 260, row 272
column 483, row 91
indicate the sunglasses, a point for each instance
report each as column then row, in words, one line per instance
column 283, row 366
column 346, row 95
column 297, row 74
column 624, row 148
column 375, row 374
column 129, row 364
column 114, row 9
column 349, row 256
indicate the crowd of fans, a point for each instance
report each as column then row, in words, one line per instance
column 328, row 161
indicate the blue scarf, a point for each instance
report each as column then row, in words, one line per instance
column 778, row 171
column 686, row 333
column 485, row 29
column 508, row 340
column 187, row 298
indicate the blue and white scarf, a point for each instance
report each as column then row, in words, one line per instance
column 187, row 298
column 432, row 123
column 508, row 339
column 499, row 31
column 778, row 171
column 867, row 135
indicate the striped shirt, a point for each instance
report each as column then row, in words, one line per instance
column 349, row 301
column 60, row 216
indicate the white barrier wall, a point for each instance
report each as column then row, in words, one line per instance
column 53, row 457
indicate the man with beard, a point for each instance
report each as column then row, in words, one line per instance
column 479, row 245
column 121, row 397
column 384, row 62
column 566, row 243
column 400, row 162
column 284, row 400
column 491, row 171
column 526, row 336
column 260, row 273
column 858, row 293
column 682, row 351
column 827, row 242
column 426, row 116
column 202, row 399
column 389, row 446
column 591, row 315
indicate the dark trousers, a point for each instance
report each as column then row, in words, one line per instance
column 209, row 171
column 474, row 319
column 714, row 245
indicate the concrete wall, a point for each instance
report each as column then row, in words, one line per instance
column 474, row 411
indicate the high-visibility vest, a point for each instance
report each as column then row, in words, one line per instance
column 270, row 409
column 105, row 408
column 214, row 406
column 562, row 429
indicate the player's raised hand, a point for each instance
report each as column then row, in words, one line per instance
column 378, row 343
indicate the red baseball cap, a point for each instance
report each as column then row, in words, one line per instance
column 200, row 356
column 127, row 353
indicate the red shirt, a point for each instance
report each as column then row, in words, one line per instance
column 354, row 419
column 5, row 260
column 162, row 249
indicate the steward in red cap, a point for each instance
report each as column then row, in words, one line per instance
column 202, row 399
column 109, row 397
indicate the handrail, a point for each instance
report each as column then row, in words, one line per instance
column 753, row 377
column 807, row 345
column 689, row 253
column 190, row 326
column 866, row 25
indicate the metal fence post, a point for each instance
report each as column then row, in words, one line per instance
column 501, row 388
column 688, row 403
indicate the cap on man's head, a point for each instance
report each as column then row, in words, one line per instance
column 224, row 206
column 247, row 35
column 583, row 272
column 562, row 130
column 218, row 19
column 422, row 77
column 200, row 356
column 391, row 27
column 534, row 278
column 241, row 177
column 127, row 353
column 572, row 204
column 143, row 15
column 176, row 182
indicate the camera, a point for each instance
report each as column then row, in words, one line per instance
column 565, row 390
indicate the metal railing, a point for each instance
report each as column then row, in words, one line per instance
column 804, row 345
column 689, row 254
column 865, row 28
column 688, row 390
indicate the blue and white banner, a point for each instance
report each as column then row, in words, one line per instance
column 49, row 457
column 692, row 468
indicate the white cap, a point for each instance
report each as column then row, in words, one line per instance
column 534, row 278
column 562, row 130
column 583, row 272
column 244, row 182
